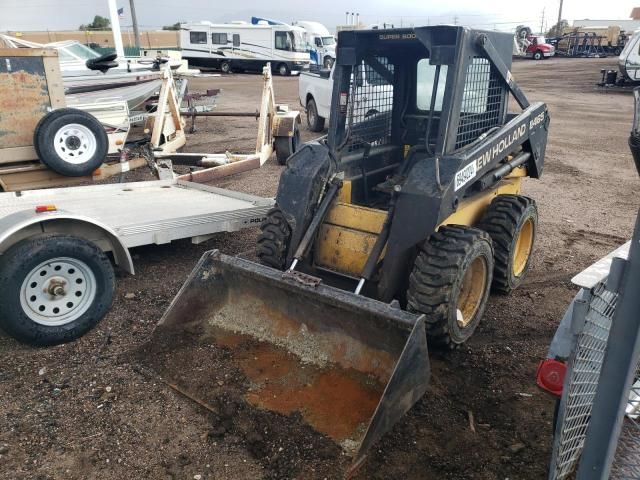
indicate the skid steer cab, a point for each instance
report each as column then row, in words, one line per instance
column 386, row 237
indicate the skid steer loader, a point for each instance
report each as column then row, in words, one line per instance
column 387, row 236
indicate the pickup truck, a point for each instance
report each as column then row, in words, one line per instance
column 316, row 87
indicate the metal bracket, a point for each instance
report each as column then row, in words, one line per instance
column 302, row 278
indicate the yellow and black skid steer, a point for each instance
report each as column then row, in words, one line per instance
column 387, row 236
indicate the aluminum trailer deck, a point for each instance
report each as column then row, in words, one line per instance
column 45, row 234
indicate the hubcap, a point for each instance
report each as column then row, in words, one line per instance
column 312, row 114
column 75, row 143
column 522, row 250
column 58, row 291
column 471, row 291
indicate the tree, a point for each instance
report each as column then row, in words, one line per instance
column 558, row 29
column 175, row 26
column 99, row 23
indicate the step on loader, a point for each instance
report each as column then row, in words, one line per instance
column 387, row 236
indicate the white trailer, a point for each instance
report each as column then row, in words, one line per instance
column 57, row 246
column 244, row 46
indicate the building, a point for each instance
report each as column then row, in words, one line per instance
column 628, row 25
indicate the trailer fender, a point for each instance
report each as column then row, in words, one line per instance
column 26, row 223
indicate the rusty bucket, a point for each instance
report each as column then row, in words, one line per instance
column 349, row 366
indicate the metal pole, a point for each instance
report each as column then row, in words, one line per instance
column 115, row 27
column 542, row 22
column 558, row 32
column 134, row 19
column 617, row 374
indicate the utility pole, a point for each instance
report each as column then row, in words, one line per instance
column 558, row 32
column 542, row 23
column 455, row 20
column 134, row 19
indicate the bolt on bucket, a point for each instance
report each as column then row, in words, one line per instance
column 349, row 366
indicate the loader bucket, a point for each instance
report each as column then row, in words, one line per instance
column 349, row 366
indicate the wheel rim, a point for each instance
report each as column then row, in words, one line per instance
column 75, row 143
column 58, row 291
column 283, row 69
column 311, row 112
column 522, row 250
column 471, row 291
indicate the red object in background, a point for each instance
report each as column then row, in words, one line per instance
column 550, row 376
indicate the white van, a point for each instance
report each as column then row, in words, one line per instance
column 243, row 46
column 322, row 44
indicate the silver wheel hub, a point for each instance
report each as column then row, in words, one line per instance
column 58, row 291
column 75, row 143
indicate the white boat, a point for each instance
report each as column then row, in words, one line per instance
column 89, row 77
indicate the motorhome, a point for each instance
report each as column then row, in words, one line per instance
column 239, row 46
column 322, row 44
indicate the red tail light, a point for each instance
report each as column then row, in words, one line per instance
column 46, row 208
column 550, row 376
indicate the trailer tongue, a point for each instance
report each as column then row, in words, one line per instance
column 349, row 365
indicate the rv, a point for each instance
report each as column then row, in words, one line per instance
column 322, row 44
column 242, row 46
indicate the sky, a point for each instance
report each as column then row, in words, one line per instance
column 25, row 15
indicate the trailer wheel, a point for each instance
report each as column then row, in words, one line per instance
column 283, row 70
column 511, row 221
column 287, row 146
column 71, row 142
column 54, row 289
column 450, row 283
column 537, row 55
column 274, row 239
column 314, row 121
column 225, row 67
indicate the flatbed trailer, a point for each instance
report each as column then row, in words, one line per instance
column 56, row 277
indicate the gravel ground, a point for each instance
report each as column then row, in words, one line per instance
column 90, row 410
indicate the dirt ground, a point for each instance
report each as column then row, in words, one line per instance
column 90, row 410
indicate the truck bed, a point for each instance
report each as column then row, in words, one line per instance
column 152, row 212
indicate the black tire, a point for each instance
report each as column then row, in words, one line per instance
column 328, row 62
column 225, row 67
column 436, row 283
column 617, row 51
column 538, row 55
column 44, row 139
column 283, row 70
column 273, row 241
column 18, row 263
column 505, row 220
column 287, row 146
column 314, row 121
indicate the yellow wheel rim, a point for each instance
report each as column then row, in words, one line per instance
column 471, row 291
column 522, row 250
